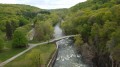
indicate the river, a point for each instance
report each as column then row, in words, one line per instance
column 67, row 57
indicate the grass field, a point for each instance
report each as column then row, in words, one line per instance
column 8, row 51
column 36, row 57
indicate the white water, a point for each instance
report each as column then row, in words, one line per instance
column 67, row 57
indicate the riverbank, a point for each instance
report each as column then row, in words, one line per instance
column 53, row 58
column 38, row 56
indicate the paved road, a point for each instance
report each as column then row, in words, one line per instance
column 32, row 46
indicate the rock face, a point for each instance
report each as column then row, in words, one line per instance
column 102, row 61
column 93, row 59
column 87, row 53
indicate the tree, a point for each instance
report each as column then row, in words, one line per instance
column 43, row 31
column 95, row 35
column 115, row 38
column 114, row 45
column 48, row 29
column 116, row 53
column 95, row 30
column 35, row 57
column 100, row 1
column 19, row 39
column 115, row 11
column 14, row 24
column 78, row 42
column 85, row 32
column 39, row 32
column 1, row 44
column 108, row 16
column 116, row 1
column 23, row 21
column 108, row 28
column 9, row 30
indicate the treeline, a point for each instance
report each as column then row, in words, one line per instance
column 98, row 23
column 60, row 12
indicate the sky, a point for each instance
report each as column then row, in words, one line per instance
column 45, row 4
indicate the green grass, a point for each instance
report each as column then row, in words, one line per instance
column 36, row 57
column 8, row 51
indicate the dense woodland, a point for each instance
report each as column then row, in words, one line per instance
column 98, row 23
column 13, row 17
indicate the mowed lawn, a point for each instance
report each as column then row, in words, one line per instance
column 9, row 52
column 36, row 57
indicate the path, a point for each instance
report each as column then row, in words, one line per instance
column 32, row 46
column 30, row 34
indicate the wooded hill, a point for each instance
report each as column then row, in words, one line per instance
column 20, row 18
column 98, row 22
column 20, row 14
column 15, row 23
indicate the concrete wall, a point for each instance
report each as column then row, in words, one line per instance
column 53, row 59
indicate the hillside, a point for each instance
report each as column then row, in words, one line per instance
column 98, row 23
column 21, row 14
column 12, row 18
column 20, row 22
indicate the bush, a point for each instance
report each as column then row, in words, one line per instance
column 78, row 42
column 23, row 21
column 35, row 57
column 19, row 38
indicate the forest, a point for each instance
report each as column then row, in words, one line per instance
column 98, row 23
column 15, row 22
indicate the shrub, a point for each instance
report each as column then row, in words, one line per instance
column 19, row 38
